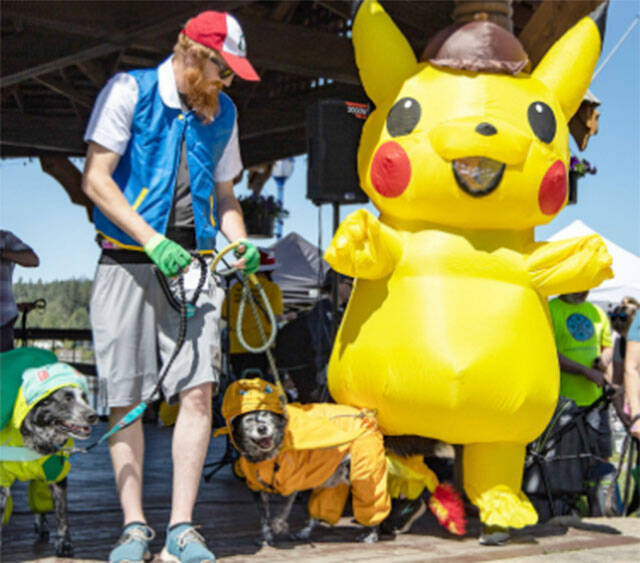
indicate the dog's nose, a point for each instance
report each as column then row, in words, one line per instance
column 262, row 430
column 92, row 418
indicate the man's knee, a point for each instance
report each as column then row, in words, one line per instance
column 197, row 398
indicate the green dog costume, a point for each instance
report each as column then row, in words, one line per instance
column 28, row 375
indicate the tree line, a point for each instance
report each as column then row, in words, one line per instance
column 67, row 303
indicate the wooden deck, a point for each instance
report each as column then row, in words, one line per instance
column 229, row 521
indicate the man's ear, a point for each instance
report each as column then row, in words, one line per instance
column 191, row 57
column 567, row 67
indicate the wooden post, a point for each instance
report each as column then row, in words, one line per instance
column 69, row 177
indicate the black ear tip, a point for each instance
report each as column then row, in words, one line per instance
column 599, row 17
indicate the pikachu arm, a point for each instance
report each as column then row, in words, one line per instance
column 363, row 247
column 568, row 266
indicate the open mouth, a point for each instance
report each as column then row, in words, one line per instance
column 264, row 443
column 477, row 175
column 75, row 430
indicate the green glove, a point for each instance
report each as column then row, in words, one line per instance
column 169, row 256
column 251, row 257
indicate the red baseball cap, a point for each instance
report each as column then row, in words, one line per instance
column 221, row 32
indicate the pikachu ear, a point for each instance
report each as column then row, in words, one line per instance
column 568, row 66
column 383, row 55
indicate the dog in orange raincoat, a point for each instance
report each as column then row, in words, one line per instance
column 327, row 448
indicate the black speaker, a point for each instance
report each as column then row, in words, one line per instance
column 333, row 136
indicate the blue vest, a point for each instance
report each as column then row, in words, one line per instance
column 147, row 171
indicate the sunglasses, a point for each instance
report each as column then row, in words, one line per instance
column 622, row 315
column 223, row 70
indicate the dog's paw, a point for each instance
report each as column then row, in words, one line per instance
column 280, row 525
column 64, row 548
column 265, row 539
column 303, row 534
column 41, row 527
column 370, row 536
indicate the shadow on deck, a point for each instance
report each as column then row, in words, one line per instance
column 229, row 521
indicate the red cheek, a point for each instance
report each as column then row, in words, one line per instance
column 553, row 189
column 390, row 170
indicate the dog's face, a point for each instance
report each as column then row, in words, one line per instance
column 258, row 435
column 63, row 414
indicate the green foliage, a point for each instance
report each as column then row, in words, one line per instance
column 67, row 303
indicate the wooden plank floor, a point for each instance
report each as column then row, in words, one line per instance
column 229, row 521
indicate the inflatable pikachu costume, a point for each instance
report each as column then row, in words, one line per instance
column 447, row 334
column 316, row 440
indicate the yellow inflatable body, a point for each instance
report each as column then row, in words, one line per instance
column 447, row 334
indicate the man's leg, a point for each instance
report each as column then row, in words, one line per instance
column 190, row 443
column 127, row 454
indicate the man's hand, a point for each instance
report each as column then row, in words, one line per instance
column 169, row 256
column 249, row 258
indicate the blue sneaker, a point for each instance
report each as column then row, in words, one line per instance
column 133, row 545
column 185, row 545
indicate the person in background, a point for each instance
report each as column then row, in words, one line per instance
column 583, row 338
column 620, row 317
column 12, row 251
column 162, row 153
column 322, row 324
column 632, row 376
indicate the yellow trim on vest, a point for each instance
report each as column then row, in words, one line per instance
column 143, row 193
column 119, row 244
column 212, row 218
column 140, row 248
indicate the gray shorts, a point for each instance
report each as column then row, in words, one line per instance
column 135, row 331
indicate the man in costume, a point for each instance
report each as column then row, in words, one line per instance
column 163, row 151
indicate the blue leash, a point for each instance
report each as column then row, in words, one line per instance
column 186, row 310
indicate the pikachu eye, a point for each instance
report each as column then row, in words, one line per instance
column 403, row 117
column 542, row 121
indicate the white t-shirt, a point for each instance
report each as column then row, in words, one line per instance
column 112, row 115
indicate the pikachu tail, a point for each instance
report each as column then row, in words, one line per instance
column 447, row 506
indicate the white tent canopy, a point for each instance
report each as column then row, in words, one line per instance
column 626, row 268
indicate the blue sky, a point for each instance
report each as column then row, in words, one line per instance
column 37, row 209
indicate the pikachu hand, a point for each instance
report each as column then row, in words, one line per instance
column 570, row 265
column 363, row 247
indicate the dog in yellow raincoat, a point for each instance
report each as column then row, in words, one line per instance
column 328, row 448
column 318, row 443
column 42, row 409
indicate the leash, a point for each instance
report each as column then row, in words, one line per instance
column 186, row 310
column 248, row 283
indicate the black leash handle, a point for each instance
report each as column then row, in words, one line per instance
column 164, row 283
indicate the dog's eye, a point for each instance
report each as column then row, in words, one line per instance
column 85, row 398
column 403, row 117
column 69, row 396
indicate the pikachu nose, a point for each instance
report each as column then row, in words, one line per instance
column 500, row 141
column 486, row 129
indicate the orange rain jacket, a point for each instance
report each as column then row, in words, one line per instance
column 317, row 438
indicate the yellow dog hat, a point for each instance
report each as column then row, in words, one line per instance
column 246, row 395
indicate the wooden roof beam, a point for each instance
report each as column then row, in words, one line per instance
column 549, row 22
column 116, row 42
column 66, row 90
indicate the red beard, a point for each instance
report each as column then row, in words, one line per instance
column 201, row 94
